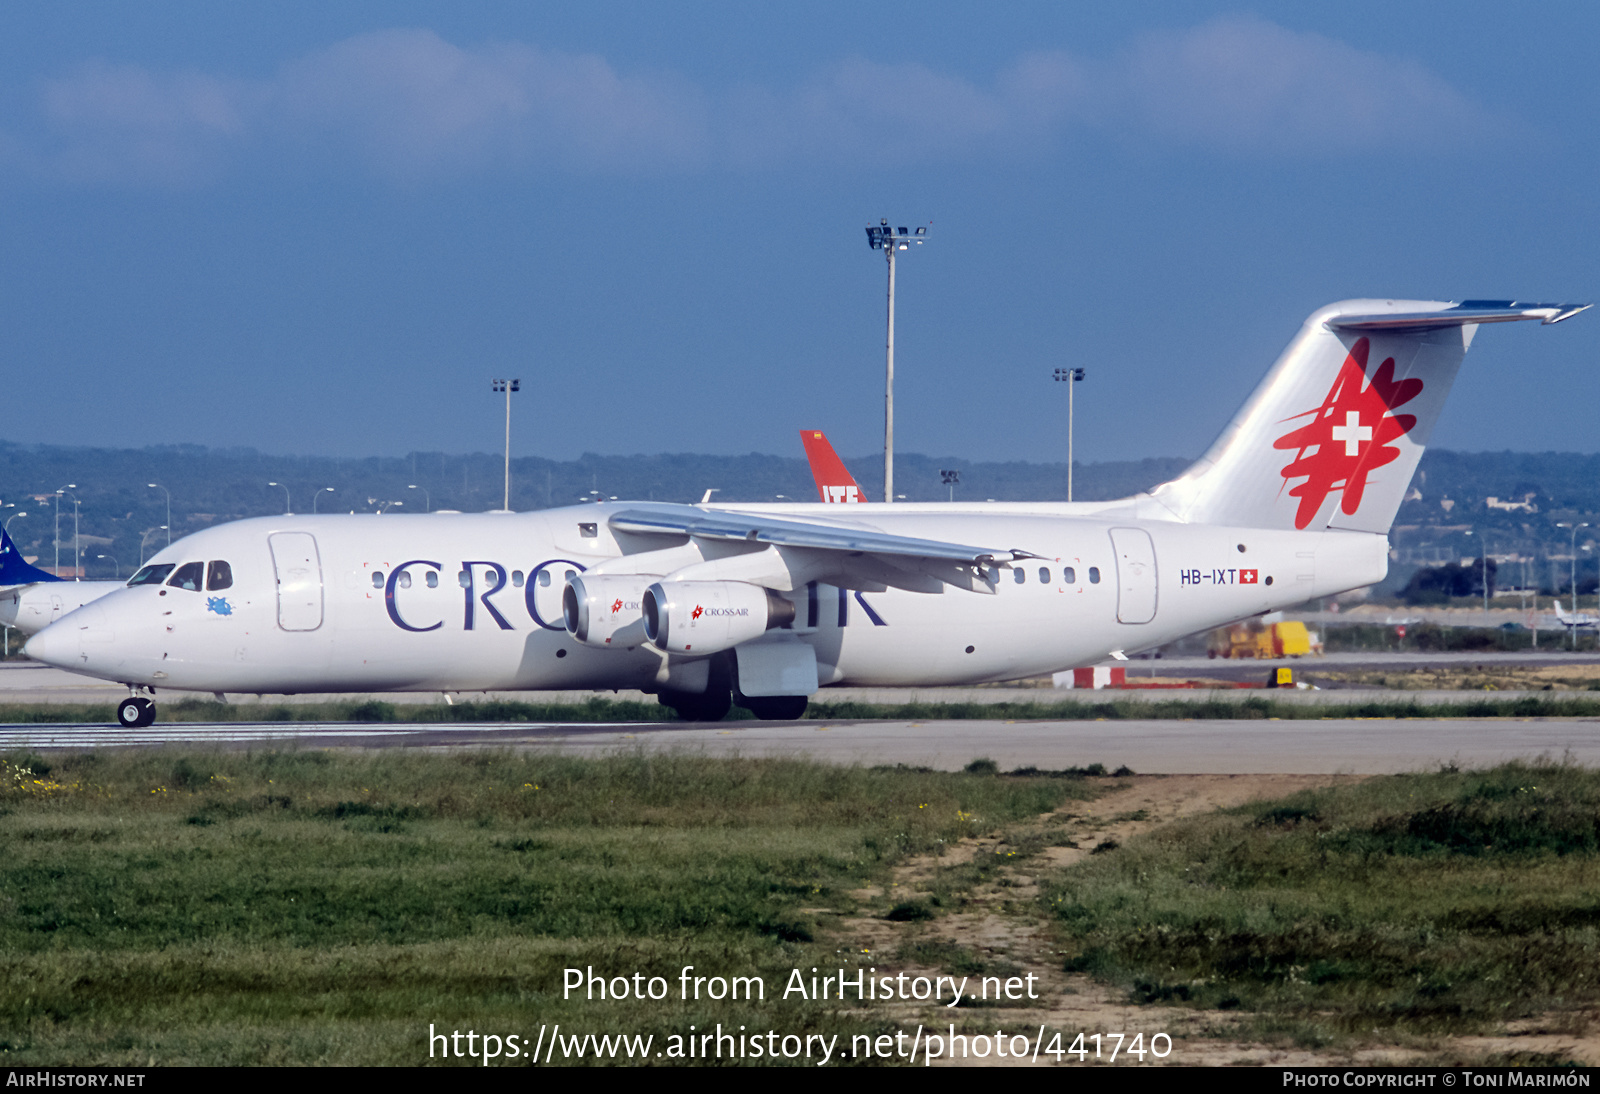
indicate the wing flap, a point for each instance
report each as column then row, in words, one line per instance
column 748, row 528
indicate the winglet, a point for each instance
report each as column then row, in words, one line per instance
column 14, row 570
column 834, row 482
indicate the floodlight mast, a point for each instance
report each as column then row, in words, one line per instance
column 508, row 386
column 889, row 240
column 1071, row 376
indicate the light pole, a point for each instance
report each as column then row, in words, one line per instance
column 288, row 510
column 1483, row 551
column 888, row 240
column 1572, row 632
column 77, row 541
column 13, row 517
column 952, row 479
column 77, row 544
column 1485, row 580
column 1533, row 616
column 56, row 533
column 318, row 497
column 426, row 496
column 168, row 525
column 145, row 539
column 1072, row 376
column 506, row 386
column 116, row 567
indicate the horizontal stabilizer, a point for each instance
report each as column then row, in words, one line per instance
column 1468, row 311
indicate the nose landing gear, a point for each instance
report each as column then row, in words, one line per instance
column 136, row 712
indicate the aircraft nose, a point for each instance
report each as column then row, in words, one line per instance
column 55, row 645
column 69, row 641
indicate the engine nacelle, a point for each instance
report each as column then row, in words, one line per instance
column 710, row 616
column 603, row 610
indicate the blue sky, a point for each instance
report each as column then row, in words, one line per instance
column 315, row 228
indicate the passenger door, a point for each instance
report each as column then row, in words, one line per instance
column 299, row 571
column 1136, row 575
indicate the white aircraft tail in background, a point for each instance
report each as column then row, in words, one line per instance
column 1576, row 620
column 31, row 599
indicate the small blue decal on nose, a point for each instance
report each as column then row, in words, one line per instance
column 219, row 604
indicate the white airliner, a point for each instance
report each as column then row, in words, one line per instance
column 1293, row 502
column 1575, row 620
column 31, row 599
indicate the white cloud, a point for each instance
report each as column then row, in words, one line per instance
column 113, row 121
column 861, row 109
column 1249, row 85
column 411, row 105
column 414, row 102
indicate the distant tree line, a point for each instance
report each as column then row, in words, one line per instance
column 121, row 517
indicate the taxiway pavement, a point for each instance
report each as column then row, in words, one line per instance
column 1326, row 746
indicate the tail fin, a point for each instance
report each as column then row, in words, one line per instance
column 1332, row 435
column 834, row 483
column 13, row 569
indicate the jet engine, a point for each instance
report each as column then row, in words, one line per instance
column 603, row 610
column 709, row 616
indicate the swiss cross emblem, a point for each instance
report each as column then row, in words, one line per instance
column 1248, row 577
column 1349, row 435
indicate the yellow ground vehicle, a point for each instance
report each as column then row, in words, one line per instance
column 1263, row 641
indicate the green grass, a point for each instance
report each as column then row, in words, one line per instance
column 1399, row 907
column 1253, row 707
column 262, row 907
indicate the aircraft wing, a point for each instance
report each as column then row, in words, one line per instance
column 851, row 557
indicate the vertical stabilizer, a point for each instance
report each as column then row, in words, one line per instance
column 1332, row 435
column 14, row 570
column 834, row 482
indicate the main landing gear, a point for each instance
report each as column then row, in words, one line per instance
column 136, row 712
column 713, row 704
column 775, row 708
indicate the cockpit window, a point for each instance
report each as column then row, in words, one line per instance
column 153, row 574
column 219, row 575
column 189, row 576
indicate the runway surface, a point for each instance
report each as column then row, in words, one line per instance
column 28, row 683
column 1357, row 746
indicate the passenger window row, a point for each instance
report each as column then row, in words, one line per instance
column 463, row 579
column 1069, row 575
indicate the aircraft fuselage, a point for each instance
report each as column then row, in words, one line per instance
column 474, row 602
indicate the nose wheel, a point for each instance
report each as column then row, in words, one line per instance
column 136, row 712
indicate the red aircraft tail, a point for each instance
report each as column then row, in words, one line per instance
column 834, row 483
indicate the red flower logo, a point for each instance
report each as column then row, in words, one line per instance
column 1349, row 435
column 697, row 612
column 616, row 605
